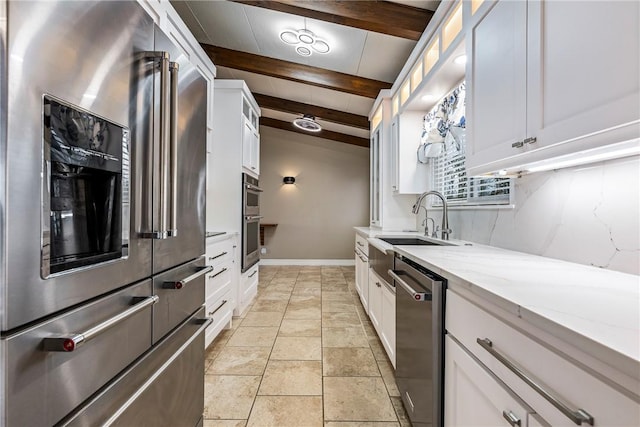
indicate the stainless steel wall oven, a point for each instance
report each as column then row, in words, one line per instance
column 250, row 221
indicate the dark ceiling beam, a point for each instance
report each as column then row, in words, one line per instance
column 294, row 72
column 326, row 134
column 327, row 114
column 378, row 16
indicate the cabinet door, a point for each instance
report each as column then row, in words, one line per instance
column 475, row 398
column 388, row 323
column 375, row 300
column 376, row 179
column 497, row 83
column 362, row 280
column 247, row 145
column 255, row 152
column 583, row 70
column 395, row 147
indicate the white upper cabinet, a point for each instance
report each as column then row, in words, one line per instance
column 408, row 176
column 550, row 78
column 250, row 140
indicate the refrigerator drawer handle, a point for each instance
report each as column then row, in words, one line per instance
column 578, row 416
column 174, row 68
column 417, row 296
column 204, row 324
column 179, row 284
column 72, row 341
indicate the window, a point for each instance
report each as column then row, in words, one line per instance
column 445, row 128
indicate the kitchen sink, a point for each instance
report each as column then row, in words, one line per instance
column 410, row 241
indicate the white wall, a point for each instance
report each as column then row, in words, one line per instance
column 315, row 216
column 588, row 214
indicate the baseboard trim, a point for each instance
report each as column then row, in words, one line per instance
column 274, row 261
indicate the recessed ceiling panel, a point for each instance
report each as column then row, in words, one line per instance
column 346, row 44
column 184, row 10
column 360, row 105
column 225, row 24
column 256, row 82
column 384, row 56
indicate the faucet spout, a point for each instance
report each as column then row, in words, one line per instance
column 445, row 211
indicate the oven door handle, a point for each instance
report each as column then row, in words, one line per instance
column 417, row 296
column 254, row 188
column 253, row 217
column 71, row 342
column 179, row 284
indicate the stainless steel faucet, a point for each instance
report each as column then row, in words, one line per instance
column 445, row 212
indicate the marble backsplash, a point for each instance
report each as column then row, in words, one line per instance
column 587, row 214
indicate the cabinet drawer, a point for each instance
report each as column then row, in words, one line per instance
column 362, row 244
column 568, row 384
column 220, row 310
column 218, row 281
column 219, row 252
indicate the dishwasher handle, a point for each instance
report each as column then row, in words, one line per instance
column 417, row 296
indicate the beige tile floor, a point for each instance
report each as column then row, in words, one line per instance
column 304, row 354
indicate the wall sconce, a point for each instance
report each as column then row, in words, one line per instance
column 289, row 180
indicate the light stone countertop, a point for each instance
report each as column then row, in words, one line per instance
column 592, row 309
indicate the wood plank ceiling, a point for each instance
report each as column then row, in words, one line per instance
column 339, row 87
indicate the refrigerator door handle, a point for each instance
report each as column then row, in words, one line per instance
column 174, row 69
column 161, row 232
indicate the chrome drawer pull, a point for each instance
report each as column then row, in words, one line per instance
column 518, row 144
column 530, row 140
column 511, row 418
column 179, row 284
column 217, row 256
column 417, row 296
column 360, row 244
column 359, row 256
column 211, row 313
column 578, row 416
column 213, row 276
column 73, row 341
column 253, row 274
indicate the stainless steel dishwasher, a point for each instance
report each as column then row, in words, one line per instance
column 419, row 341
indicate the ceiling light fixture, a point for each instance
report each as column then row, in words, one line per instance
column 307, row 122
column 305, row 42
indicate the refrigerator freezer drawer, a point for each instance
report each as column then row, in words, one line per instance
column 164, row 388
column 181, row 292
column 54, row 366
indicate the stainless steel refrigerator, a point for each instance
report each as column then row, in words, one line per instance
column 102, row 203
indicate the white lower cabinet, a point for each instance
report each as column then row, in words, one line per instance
column 362, row 270
column 382, row 312
column 559, row 391
column 375, row 300
column 247, row 290
column 221, row 284
column 474, row 397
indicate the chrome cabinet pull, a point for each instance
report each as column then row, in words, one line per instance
column 213, row 276
column 378, row 284
column 511, row 418
column 71, row 342
column 530, row 140
column 179, row 284
column 174, row 68
column 360, row 244
column 518, row 144
column 217, row 256
column 359, row 256
column 578, row 416
column 211, row 313
column 417, row 296
column 253, row 274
